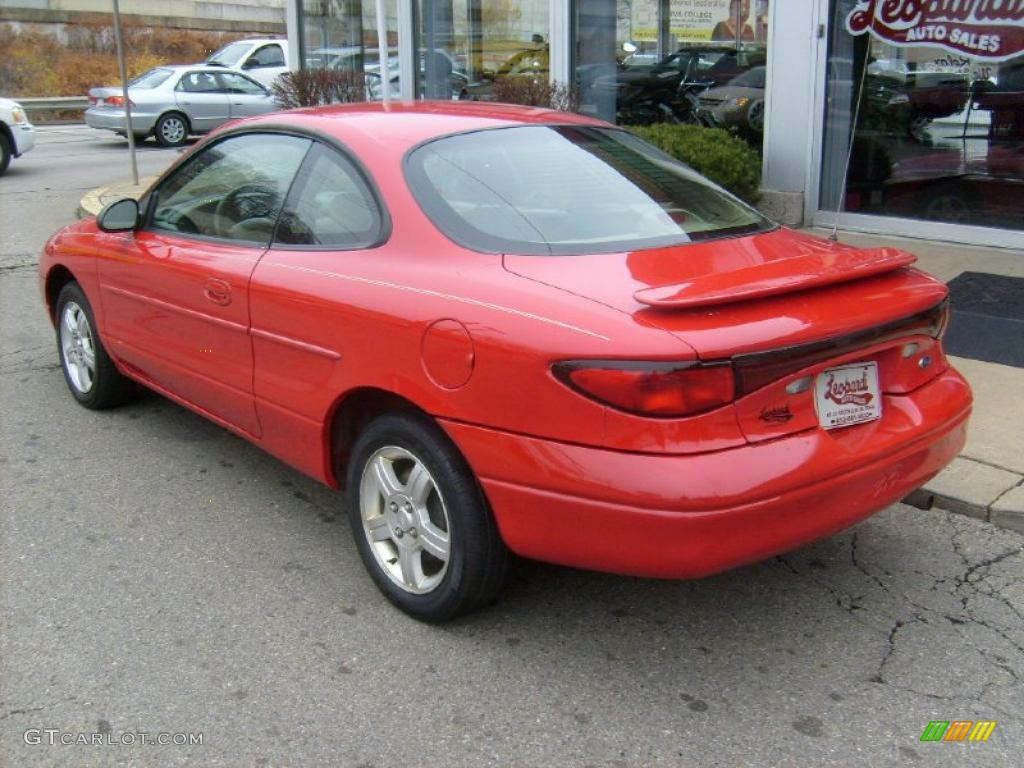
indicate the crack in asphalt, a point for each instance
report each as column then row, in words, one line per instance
column 14, row 267
column 972, row 581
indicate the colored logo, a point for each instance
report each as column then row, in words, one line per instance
column 986, row 29
column 958, row 730
column 848, row 391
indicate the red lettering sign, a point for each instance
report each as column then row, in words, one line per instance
column 984, row 29
column 851, row 391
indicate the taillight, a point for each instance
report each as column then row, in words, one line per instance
column 651, row 388
column 116, row 101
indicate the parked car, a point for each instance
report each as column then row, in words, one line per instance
column 17, row 134
column 531, row 63
column 668, row 91
column 350, row 57
column 512, row 330
column 262, row 58
column 957, row 187
column 738, row 105
column 174, row 102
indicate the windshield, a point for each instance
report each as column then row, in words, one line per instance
column 568, row 190
column 150, row 79
column 229, row 55
column 753, row 78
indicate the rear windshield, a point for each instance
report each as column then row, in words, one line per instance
column 568, row 190
column 151, row 79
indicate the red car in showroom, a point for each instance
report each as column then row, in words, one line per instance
column 512, row 330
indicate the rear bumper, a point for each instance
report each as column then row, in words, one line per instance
column 114, row 120
column 675, row 516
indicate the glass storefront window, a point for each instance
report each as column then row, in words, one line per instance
column 675, row 61
column 465, row 47
column 342, row 35
column 925, row 103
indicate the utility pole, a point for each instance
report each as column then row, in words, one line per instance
column 129, row 133
column 382, row 53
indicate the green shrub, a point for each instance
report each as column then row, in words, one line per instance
column 725, row 159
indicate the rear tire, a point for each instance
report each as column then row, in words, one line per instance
column 420, row 520
column 172, row 129
column 90, row 374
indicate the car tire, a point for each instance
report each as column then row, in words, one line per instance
column 90, row 374
column 5, row 152
column 755, row 117
column 420, row 520
column 172, row 129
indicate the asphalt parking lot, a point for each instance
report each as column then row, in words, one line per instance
column 160, row 575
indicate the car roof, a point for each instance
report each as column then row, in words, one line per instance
column 179, row 68
column 404, row 124
column 257, row 40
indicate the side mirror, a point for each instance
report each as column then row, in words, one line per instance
column 250, row 64
column 119, row 216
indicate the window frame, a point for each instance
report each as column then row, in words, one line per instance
column 222, row 79
column 150, row 200
column 382, row 230
column 153, row 198
column 256, row 65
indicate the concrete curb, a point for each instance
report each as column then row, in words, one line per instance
column 975, row 489
column 92, row 202
column 967, row 486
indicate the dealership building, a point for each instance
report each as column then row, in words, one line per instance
column 900, row 117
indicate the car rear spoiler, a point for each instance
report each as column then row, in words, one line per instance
column 775, row 277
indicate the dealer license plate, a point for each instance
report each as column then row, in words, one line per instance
column 847, row 395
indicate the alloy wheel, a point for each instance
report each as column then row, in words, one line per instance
column 172, row 130
column 405, row 520
column 78, row 347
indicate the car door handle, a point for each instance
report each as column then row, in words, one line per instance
column 217, row 291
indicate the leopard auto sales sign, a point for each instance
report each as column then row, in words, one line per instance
column 984, row 29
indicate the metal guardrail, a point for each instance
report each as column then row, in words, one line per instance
column 54, row 102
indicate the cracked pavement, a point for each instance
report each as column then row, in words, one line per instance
column 159, row 574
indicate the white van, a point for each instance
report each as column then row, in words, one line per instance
column 261, row 58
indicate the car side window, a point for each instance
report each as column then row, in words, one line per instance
column 267, row 56
column 330, row 205
column 233, row 189
column 235, row 83
column 199, row 82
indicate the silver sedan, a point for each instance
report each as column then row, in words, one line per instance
column 174, row 102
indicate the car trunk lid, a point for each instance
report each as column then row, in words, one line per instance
column 784, row 308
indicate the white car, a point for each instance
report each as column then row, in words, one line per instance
column 17, row 134
column 261, row 58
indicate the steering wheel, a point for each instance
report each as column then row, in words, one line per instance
column 249, row 201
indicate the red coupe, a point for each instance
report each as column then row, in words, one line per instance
column 505, row 329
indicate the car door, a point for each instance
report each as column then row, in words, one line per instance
column 176, row 291
column 266, row 63
column 202, row 97
column 246, row 97
column 304, row 327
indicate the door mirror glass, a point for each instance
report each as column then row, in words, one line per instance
column 119, row 216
